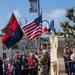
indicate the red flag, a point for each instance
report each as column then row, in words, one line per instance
column 45, row 29
column 13, row 33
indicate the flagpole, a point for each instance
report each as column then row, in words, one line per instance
column 38, row 8
column 39, row 41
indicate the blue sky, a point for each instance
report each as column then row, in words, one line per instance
column 52, row 9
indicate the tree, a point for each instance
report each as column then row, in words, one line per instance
column 68, row 29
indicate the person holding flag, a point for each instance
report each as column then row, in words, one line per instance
column 42, row 60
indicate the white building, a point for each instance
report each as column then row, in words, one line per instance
column 24, row 46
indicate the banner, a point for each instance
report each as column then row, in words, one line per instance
column 33, row 6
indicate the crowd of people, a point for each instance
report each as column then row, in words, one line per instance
column 36, row 64
column 69, row 58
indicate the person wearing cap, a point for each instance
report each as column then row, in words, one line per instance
column 42, row 60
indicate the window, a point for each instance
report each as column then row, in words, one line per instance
column 4, row 55
column 17, row 52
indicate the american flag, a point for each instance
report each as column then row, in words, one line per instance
column 33, row 29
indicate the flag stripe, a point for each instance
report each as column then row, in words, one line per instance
column 29, row 32
column 28, row 25
column 34, row 36
column 32, row 28
column 35, row 32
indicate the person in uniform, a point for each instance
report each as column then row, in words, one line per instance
column 42, row 60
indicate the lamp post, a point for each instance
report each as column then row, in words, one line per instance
column 25, row 40
column 24, row 20
column 49, row 32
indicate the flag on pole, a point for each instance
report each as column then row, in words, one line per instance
column 34, row 28
column 13, row 33
column 33, row 6
column 51, row 26
column 45, row 30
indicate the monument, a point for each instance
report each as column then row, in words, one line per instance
column 57, row 44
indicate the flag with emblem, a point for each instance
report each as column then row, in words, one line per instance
column 13, row 32
column 33, row 29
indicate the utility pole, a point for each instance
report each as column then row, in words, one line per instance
column 39, row 41
column 38, row 7
column 37, row 10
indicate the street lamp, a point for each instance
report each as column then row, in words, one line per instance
column 25, row 40
column 24, row 20
column 48, row 32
